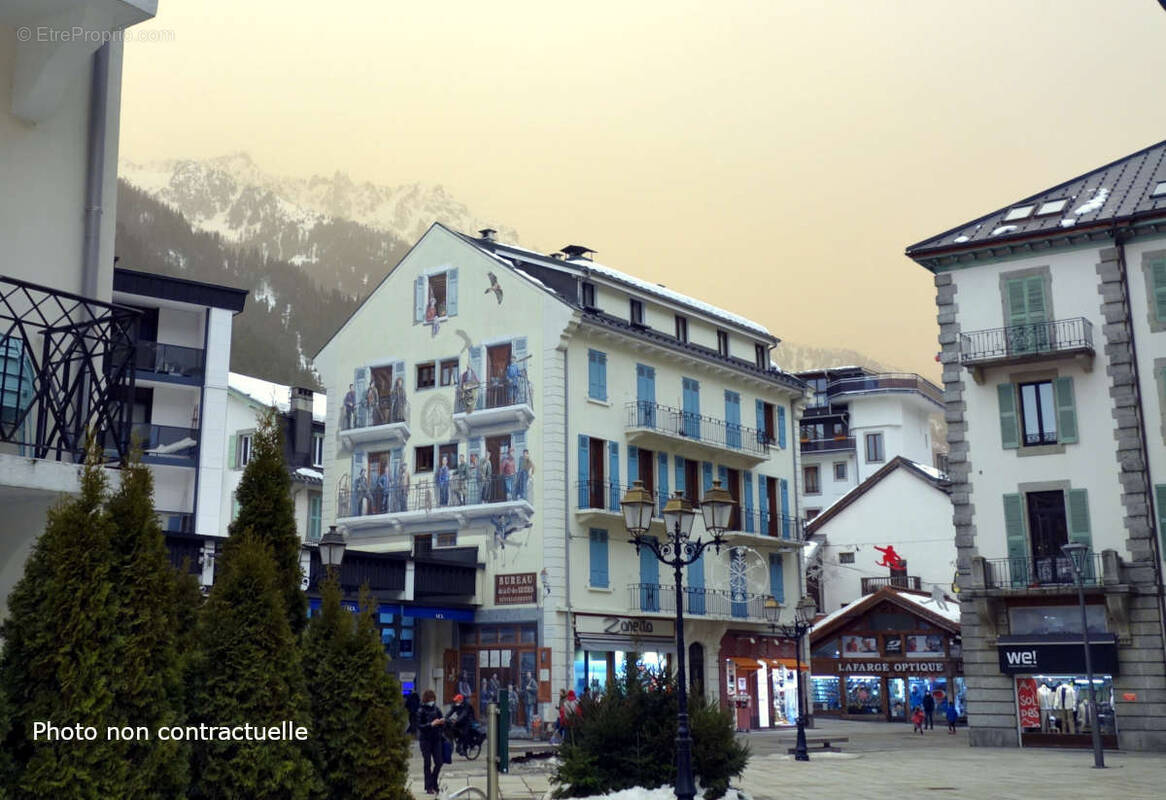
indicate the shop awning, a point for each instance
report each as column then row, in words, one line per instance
column 788, row 663
column 610, row 644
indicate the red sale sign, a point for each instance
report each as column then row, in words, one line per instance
column 1027, row 701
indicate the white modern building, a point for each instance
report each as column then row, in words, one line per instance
column 1052, row 315
column 492, row 405
column 59, row 117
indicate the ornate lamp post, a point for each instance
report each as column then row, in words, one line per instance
column 1077, row 554
column 678, row 551
column 332, row 546
column 796, row 630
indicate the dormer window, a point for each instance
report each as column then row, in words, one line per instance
column 1020, row 212
column 1052, row 207
column 636, row 311
column 761, row 356
column 681, row 329
column 1159, row 190
column 723, row 343
column 588, row 295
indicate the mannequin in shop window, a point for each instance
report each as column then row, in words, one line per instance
column 1044, row 696
column 1065, row 702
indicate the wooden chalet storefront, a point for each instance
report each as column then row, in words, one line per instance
column 879, row 656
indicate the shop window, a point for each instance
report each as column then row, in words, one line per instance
column 467, row 634
column 506, row 635
column 426, row 375
column 825, row 694
column 488, row 635
column 864, row 695
column 529, row 634
column 449, row 372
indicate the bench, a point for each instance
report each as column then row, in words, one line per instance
column 824, row 744
column 528, row 751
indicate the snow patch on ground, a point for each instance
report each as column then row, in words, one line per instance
column 661, row 793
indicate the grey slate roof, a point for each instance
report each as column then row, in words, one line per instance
column 1116, row 193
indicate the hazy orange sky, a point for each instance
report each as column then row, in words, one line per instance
column 772, row 157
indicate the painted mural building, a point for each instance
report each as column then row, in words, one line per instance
column 492, row 406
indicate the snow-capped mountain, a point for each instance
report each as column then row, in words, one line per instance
column 345, row 234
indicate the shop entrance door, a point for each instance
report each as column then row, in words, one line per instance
column 896, row 699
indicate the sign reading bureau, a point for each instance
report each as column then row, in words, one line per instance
column 514, row 589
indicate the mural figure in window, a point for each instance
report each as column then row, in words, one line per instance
column 402, row 487
column 360, row 494
column 464, row 686
column 509, row 472
column 468, row 389
column 397, row 401
column 506, row 524
column 433, row 312
column 486, row 478
column 525, row 474
column 513, row 376
column 382, row 484
column 458, row 480
column 372, row 404
column 349, row 408
column 474, row 483
column 443, row 482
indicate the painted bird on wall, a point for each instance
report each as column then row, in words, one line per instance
column 494, row 287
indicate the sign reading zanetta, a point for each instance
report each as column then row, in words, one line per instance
column 631, row 627
column 515, row 588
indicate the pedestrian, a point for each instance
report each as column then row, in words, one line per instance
column 953, row 716
column 917, row 718
column 929, row 710
column 429, row 726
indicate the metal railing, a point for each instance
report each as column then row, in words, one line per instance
column 828, row 445
column 391, row 497
column 886, row 382
column 1025, row 572
column 170, row 360
column 162, row 442
column 176, row 521
column 698, row 601
column 697, row 427
column 385, row 410
column 498, row 392
column 1035, row 338
column 872, row 585
column 66, row 368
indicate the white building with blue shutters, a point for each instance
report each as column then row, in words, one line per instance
column 491, row 407
column 1052, row 314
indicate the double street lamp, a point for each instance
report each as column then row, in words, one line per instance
column 678, row 550
column 332, row 545
column 804, row 614
column 1078, row 555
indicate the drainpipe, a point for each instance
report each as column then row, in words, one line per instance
column 95, row 175
column 570, row 634
column 1119, row 242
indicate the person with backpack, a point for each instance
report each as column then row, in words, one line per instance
column 953, row 716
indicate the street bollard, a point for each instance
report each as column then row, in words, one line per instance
column 491, row 752
column 504, row 733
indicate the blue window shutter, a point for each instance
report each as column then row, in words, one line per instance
column 696, row 595
column 633, row 464
column 748, row 502
column 680, row 474
column 783, row 488
column 732, row 419
column 762, row 504
column 603, row 376
column 419, row 298
column 584, row 466
column 723, row 476
column 661, row 481
column 613, row 466
column 598, row 557
column 451, row 293
column 649, row 580
column 596, row 375
column 707, row 474
column 781, row 440
column 761, row 416
column 776, row 577
column 691, row 407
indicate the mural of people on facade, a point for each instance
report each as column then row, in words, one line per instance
column 525, row 475
column 382, row 486
column 468, row 389
column 460, row 478
column 359, row 494
column 402, row 487
column 443, row 482
column 509, row 472
column 397, row 401
column 349, row 414
column 371, row 404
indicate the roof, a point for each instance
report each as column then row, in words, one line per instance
column 267, row 393
column 947, row 617
column 927, row 474
column 1118, row 192
column 308, row 475
column 182, row 290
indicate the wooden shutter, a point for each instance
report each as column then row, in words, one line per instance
column 1017, row 305
column 419, row 298
column 1034, row 295
column 748, row 502
column 613, row 477
column 777, row 577
column 451, row 293
column 1066, row 410
column 661, row 481
column 584, row 469
column 599, row 558
column 1017, row 538
column 781, row 427
column 1077, row 512
column 1009, row 424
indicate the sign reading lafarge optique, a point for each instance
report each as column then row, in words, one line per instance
column 514, row 589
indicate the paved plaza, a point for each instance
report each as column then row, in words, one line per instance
column 885, row 761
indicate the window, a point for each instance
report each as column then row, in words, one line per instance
column 435, row 296
column 766, row 422
column 317, row 450
column 1154, row 266
column 810, row 475
column 1159, row 190
column 681, row 328
column 445, row 540
column 426, row 375
column 761, row 355
column 839, row 470
column 598, row 576
column 692, row 481
column 449, row 372
column 874, row 447
column 437, row 293
column 1038, row 413
column 588, row 295
column 636, row 311
column 812, row 512
column 596, row 375
column 846, row 558
column 723, row 343
column 1020, row 212
column 1051, row 207
column 424, row 458
column 243, row 449
column 314, row 517
column 448, row 452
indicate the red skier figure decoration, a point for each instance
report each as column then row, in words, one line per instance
column 890, row 558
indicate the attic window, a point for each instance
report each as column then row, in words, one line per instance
column 1052, row 207
column 1020, row 212
column 1159, row 190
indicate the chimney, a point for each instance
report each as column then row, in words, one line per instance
column 489, row 234
column 578, row 251
column 557, row 256
column 301, row 414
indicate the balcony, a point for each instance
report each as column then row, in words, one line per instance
column 501, row 406
column 66, row 368
column 885, row 383
column 387, row 509
column 385, row 423
column 837, row 444
column 872, row 585
column 1020, row 344
column 704, row 438
column 1046, row 572
column 176, row 521
column 169, row 363
column 771, row 528
column 658, row 598
column 165, row 444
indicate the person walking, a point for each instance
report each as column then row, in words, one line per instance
column 953, row 716
column 917, row 718
column 429, row 726
column 929, row 711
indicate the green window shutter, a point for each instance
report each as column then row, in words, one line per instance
column 1158, row 276
column 1077, row 510
column 1017, row 305
column 1009, row 424
column 1160, row 502
column 1066, row 410
column 231, row 442
column 1034, row 295
column 1017, row 538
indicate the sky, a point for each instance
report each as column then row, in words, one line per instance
column 772, row 157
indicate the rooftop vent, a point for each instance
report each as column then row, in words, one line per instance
column 489, row 234
column 557, row 256
column 577, row 251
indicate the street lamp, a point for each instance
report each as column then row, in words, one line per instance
column 332, row 546
column 803, row 621
column 678, row 551
column 1078, row 554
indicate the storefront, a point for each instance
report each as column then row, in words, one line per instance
column 758, row 673
column 1052, row 688
column 603, row 642
column 880, row 656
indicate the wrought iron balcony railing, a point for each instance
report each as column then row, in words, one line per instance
column 169, row 362
column 836, row 444
column 886, row 382
column 872, row 585
column 1032, row 340
column 66, row 368
column 497, row 392
column 386, row 410
column 698, row 601
column 642, row 414
column 391, row 497
column 1042, row 571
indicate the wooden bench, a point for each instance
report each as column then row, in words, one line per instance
column 824, row 744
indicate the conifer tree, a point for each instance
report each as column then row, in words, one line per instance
column 358, row 714
column 267, row 509
column 249, row 671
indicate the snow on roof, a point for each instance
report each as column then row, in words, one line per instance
column 1094, row 203
column 930, row 470
column 950, row 611
column 531, row 278
column 313, row 474
column 275, row 394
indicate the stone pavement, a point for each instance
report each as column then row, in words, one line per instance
column 885, row 761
